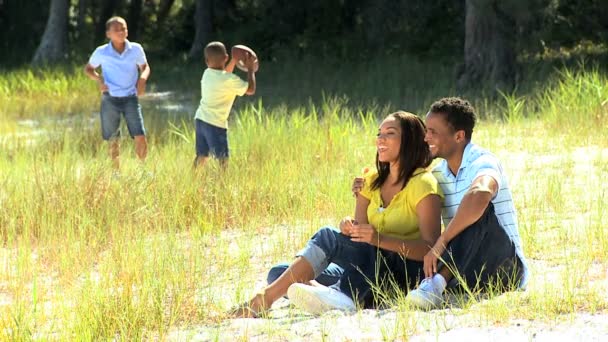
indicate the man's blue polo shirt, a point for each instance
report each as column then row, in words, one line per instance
column 119, row 70
column 479, row 162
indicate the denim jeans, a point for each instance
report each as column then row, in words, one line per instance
column 355, row 268
column 330, row 275
column 483, row 256
column 211, row 140
column 111, row 109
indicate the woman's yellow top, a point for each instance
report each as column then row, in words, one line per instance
column 399, row 218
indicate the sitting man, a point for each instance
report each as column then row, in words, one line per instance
column 480, row 248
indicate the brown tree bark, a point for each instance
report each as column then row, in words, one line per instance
column 203, row 17
column 53, row 46
column 489, row 48
column 82, row 13
column 164, row 9
column 134, row 19
column 107, row 10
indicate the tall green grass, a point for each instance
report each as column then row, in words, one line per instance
column 87, row 255
column 43, row 94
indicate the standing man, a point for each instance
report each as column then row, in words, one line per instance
column 124, row 73
column 480, row 246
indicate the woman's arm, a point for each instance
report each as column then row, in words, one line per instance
column 428, row 211
column 361, row 210
column 346, row 224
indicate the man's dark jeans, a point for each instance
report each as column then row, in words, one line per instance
column 483, row 257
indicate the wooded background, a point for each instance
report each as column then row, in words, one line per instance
column 487, row 37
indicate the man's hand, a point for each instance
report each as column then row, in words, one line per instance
column 102, row 86
column 141, row 86
column 364, row 233
column 358, row 183
column 346, row 225
column 250, row 62
column 430, row 259
column 91, row 73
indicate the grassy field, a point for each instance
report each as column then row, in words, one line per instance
column 86, row 255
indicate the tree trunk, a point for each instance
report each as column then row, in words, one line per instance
column 53, row 47
column 489, row 53
column 224, row 10
column 107, row 10
column 163, row 12
column 134, row 19
column 82, row 13
column 203, row 23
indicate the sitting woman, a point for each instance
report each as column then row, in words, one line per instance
column 397, row 219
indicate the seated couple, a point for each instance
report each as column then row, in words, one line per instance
column 395, row 241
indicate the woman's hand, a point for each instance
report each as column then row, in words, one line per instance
column 430, row 259
column 346, row 225
column 365, row 233
column 358, row 183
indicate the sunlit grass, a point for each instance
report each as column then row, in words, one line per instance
column 87, row 255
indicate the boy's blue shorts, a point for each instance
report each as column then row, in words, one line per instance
column 112, row 107
column 211, row 140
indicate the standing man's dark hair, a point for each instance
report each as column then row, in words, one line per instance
column 459, row 113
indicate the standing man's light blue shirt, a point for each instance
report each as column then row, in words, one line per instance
column 119, row 70
column 478, row 162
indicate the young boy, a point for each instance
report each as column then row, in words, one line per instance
column 219, row 88
column 124, row 73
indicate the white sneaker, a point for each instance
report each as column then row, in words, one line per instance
column 319, row 299
column 429, row 294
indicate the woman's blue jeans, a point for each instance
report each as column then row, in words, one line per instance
column 355, row 268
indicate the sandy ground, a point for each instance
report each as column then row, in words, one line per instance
column 286, row 323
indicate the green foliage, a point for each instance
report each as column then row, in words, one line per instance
column 46, row 93
column 21, row 26
column 576, row 20
column 348, row 30
column 578, row 100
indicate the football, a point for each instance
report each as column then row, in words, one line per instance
column 239, row 53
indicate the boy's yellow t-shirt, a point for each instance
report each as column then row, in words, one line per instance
column 218, row 91
column 399, row 219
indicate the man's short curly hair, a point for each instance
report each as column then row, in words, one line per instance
column 459, row 113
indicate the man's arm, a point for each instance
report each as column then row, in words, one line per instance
column 471, row 208
column 249, row 62
column 251, row 82
column 92, row 73
column 144, row 73
column 230, row 67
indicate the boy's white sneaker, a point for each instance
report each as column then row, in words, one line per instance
column 319, row 299
column 429, row 294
